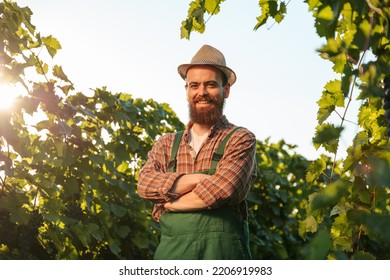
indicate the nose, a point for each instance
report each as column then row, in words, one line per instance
column 202, row 90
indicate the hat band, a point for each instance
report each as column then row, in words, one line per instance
column 204, row 61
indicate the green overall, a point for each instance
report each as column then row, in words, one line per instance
column 215, row 234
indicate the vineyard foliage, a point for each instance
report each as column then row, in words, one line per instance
column 68, row 181
column 348, row 217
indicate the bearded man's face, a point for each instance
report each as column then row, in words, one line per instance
column 206, row 94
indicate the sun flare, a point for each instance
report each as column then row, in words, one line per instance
column 7, row 96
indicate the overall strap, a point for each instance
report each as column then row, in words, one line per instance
column 219, row 153
column 216, row 156
column 175, row 148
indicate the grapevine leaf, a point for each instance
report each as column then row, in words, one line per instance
column 52, row 45
column 213, row 6
column 115, row 247
column 42, row 68
column 118, row 210
column 59, row 73
column 329, row 196
column 19, row 215
column 82, row 234
column 71, row 187
column 311, row 224
column 325, row 13
column 185, row 29
column 362, row 255
column 315, row 169
column 29, row 104
column 94, row 231
column 319, row 247
column 331, row 97
column 123, row 231
column 340, row 62
column 327, row 135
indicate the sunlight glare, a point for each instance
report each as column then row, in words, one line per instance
column 8, row 94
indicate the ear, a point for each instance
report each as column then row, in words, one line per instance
column 226, row 90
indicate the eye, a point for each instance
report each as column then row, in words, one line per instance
column 194, row 86
column 211, row 85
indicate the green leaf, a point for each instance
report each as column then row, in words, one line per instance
column 315, row 169
column 282, row 11
column 71, row 187
column 115, row 246
column 123, row 231
column 42, row 68
column 59, row 73
column 340, row 62
column 80, row 232
column 19, row 216
column 269, row 8
column 29, row 104
column 60, row 147
column 319, row 247
column 361, row 255
column 61, row 128
column 327, row 135
column 343, row 244
column 365, row 28
column 332, row 96
column 213, row 6
column 313, row 4
column 52, row 45
column 122, row 167
column 329, row 196
column 325, row 13
column 94, row 231
column 311, row 224
column 185, row 29
column 118, row 210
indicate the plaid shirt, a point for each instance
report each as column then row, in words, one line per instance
column 228, row 186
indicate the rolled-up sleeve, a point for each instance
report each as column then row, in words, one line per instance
column 154, row 180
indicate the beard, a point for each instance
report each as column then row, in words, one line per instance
column 207, row 116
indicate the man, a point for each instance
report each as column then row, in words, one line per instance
column 201, row 207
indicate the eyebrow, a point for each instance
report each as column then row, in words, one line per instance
column 206, row 82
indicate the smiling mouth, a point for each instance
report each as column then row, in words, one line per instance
column 203, row 102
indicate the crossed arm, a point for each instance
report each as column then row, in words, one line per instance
column 180, row 191
column 188, row 201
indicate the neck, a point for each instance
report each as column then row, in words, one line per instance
column 201, row 129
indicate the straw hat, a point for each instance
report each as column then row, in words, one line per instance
column 207, row 55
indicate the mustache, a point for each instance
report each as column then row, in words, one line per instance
column 205, row 98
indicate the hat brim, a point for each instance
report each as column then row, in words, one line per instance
column 229, row 73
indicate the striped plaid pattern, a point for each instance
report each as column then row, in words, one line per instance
column 228, row 186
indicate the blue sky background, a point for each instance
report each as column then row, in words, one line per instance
column 135, row 47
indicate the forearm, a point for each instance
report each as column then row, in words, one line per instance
column 188, row 182
column 160, row 187
column 186, row 203
column 156, row 186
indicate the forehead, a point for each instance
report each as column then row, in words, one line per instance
column 203, row 72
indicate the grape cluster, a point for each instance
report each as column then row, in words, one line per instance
column 386, row 103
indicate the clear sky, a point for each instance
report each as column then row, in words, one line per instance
column 135, row 47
